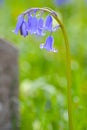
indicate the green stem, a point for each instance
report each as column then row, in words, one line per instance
column 68, row 59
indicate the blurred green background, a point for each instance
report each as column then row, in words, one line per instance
column 43, row 83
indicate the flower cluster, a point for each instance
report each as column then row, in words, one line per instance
column 32, row 24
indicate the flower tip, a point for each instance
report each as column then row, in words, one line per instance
column 54, row 50
column 51, row 50
column 41, row 46
column 14, row 31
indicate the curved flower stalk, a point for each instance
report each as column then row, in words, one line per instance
column 37, row 27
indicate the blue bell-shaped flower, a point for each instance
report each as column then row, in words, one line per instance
column 19, row 23
column 23, row 29
column 48, row 23
column 34, row 24
column 29, row 22
column 40, row 28
column 48, row 44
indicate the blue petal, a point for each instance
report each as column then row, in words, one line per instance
column 19, row 23
column 23, row 29
column 34, row 24
column 48, row 24
column 49, row 44
column 29, row 22
column 41, row 23
column 40, row 27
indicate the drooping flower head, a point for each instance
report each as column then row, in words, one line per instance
column 32, row 24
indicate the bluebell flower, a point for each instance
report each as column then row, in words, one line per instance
column 24, row 29
column 33, row 26
column 48, row 44
column 19, row 23
column 29, row 22
column 40, row 29
column 48, row 23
